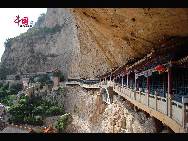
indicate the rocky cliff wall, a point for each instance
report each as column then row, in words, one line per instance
column 92, row 40
column 39, row 51
column 91, row 115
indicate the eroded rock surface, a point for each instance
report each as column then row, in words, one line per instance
column 95, row 40
column 91, row 115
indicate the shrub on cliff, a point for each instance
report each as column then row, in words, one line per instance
column 8, row 94
column 40, row 32
column 3, row 72
column 15, row 88
column 4, row 89
column 37, row 32
column 62, row 122
column 59, row 74
column 62, row 77
column 43, row 79
column 40, row 20
column 8, row 100
column 33, row 110
column 8, row 42
column 61, row 90
column 54, row 111
column 33, row 120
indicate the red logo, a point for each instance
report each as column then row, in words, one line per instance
column 24, row 21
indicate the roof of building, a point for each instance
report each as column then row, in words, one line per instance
column 182, row 62
column 13, row 129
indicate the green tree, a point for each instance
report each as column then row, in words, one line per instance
column 33, row 110
column 54, row 110
column 63, row 122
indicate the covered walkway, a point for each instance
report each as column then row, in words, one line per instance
column 157, row 83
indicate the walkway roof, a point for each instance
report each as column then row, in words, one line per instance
column 174, row 49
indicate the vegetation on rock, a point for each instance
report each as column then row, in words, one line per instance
column 8, row 42
column 61, row 90
column 63, row 122
column 43, row 79
column 59, row 74
column 40, row 20
column 8, row 94
column 33, row 111
column 34, row 32
column 4, row 71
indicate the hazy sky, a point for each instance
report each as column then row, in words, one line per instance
column 9, row 29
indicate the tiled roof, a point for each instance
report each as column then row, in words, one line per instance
column 14, row 129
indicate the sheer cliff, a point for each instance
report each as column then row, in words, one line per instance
column 87, row 42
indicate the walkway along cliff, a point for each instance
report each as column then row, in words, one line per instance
column 157, row 84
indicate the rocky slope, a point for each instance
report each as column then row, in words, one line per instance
column 92, row 41
column 91, row 115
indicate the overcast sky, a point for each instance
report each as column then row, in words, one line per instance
column 9, row 29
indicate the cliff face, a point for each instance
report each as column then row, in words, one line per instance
column 91, row 115
column 46, row 49
column 93, row 41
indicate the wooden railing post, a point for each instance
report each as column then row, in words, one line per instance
column 183, row 115
column 135, row 85
column 105, row 81
column 147, row 99
column 135, row 81
column 148, row 89
column 134, row 95
column 184, row 112
column 113, row 84
column 122, row 81
column 129, row 92
column 128, row 80
column 169, row 92
column 155, row 100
